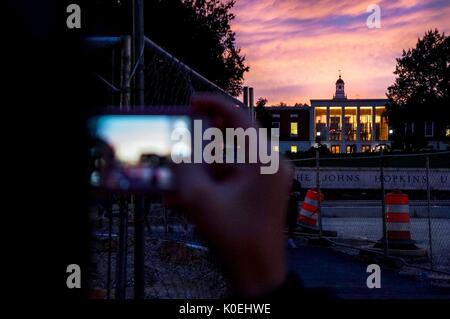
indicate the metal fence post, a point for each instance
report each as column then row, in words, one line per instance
column 125, row 99
column 139, row 45
column 139, row 101
column 139, row 247
column 110, row 230
column 383, row 208
column 319, row 205
column 121, row 262
column 427, row 164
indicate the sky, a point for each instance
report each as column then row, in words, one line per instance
column 295, row 47
column 133, row 135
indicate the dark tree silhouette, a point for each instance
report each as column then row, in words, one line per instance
column 261, row 102
column 197, row 32
column 422, row 86
column 264, row 118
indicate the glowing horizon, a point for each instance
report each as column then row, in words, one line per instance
column 295, row 48
column 131, row 136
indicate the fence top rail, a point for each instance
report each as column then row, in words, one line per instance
column 193, row 72
column 96, row 42
column 372, row 156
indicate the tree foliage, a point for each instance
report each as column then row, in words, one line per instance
column 261, row 102
column 262, row 115
column 199, row 33
column 423, row 78
column 422, row 85
column 423, row 73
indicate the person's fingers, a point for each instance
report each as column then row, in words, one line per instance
column 201, row 196
column 225, row 115
column 194, row 180
column 192, row 183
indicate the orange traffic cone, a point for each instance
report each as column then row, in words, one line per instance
column 308, row 217
column 398, row 233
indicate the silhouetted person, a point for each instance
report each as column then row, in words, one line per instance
column 292, row 212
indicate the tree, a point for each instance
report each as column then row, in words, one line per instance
column 422, row 86
column 198, row 32
column 262, row 115
column 262, row 102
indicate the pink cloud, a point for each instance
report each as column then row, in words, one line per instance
column 294, row 48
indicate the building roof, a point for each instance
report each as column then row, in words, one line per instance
column 355, row 102
column 287, row 108
column 349, row 100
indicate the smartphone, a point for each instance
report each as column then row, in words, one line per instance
column 135, row 151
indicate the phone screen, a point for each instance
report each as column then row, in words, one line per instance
column 137, row 150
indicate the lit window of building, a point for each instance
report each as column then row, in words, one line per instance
column 381, row 125
column 335, row 149
column 350, row 125
column 293, row 148
column 365, row 148
column 294, row 128
column 365, row 118
column 320, row 117
column 350, row 149
column 335, row 123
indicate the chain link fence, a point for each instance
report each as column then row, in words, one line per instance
column 176, row 264
column 395, row 205
column 168, row 81
column 353, row 214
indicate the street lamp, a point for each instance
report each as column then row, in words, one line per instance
column 391, row 136
column 318, row 139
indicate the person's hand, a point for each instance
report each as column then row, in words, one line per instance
column 239, row 211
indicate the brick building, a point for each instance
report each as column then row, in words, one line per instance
column 293, row 122
column 343, row 125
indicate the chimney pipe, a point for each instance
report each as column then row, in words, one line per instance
column 251, row 102
column 245, row 93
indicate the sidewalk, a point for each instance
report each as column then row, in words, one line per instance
column 346, row 276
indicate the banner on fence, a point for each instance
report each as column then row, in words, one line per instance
column 369, row 178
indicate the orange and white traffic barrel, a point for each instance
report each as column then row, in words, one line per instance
column 398, row 233
column 309, row 210
column 397, row 216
